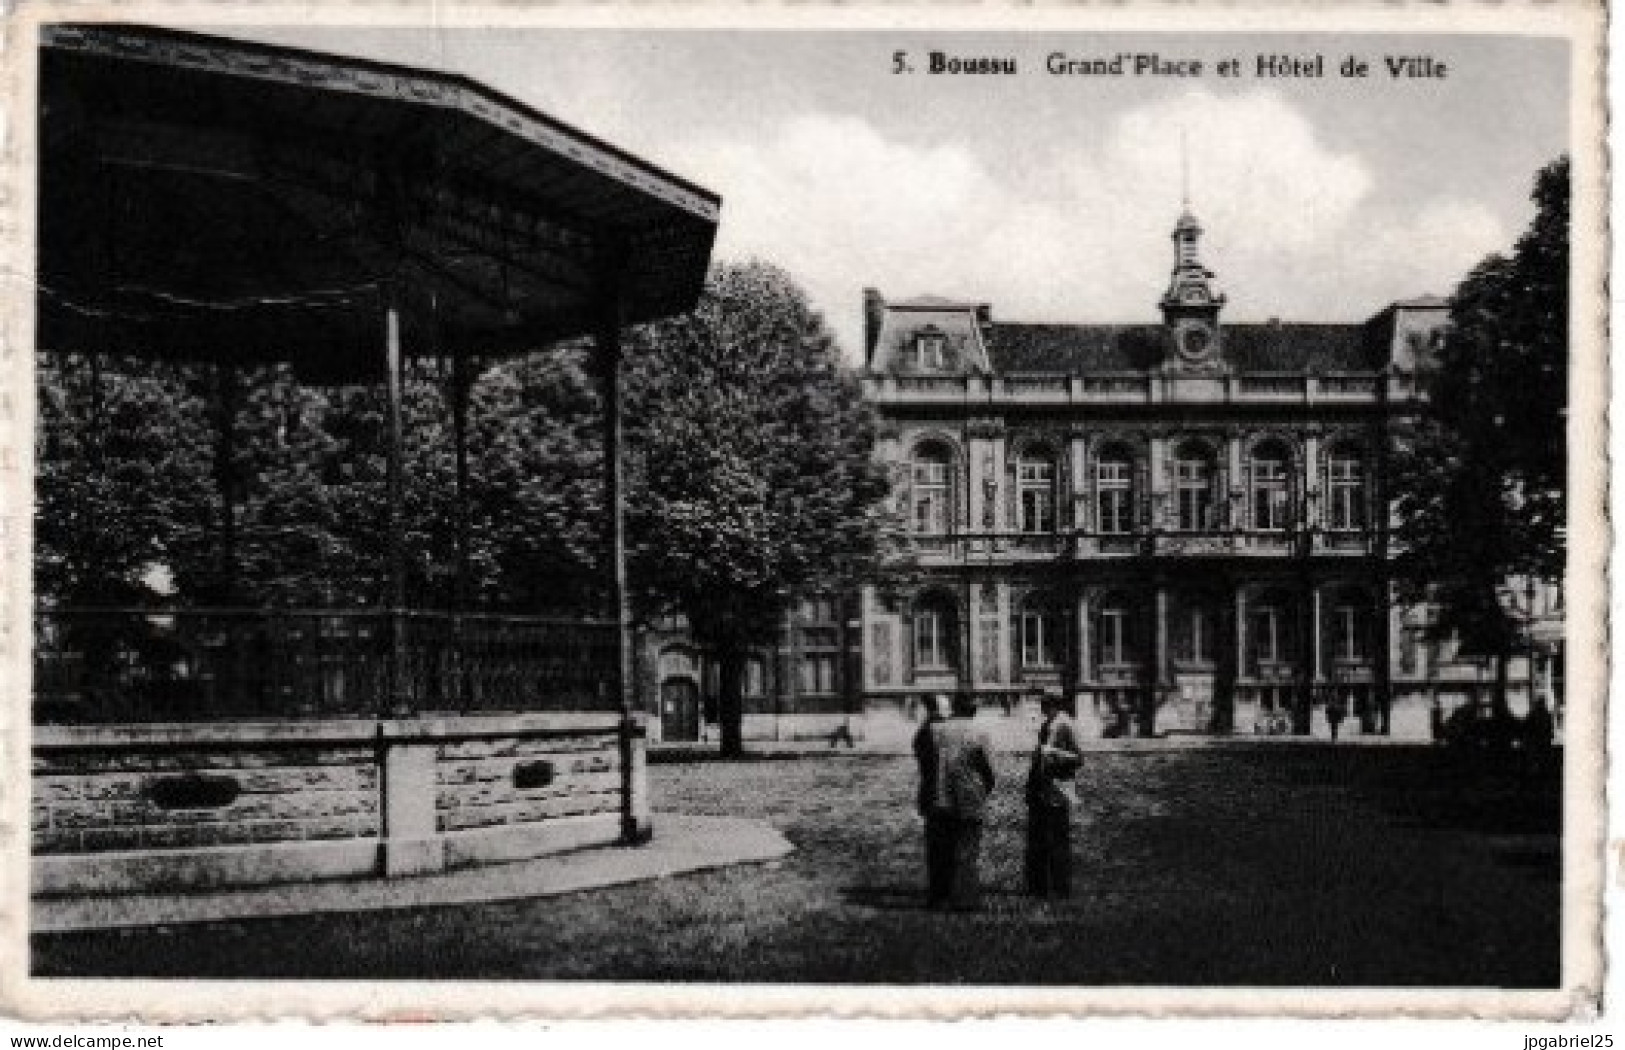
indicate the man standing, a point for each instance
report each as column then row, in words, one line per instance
column 1050, row 795
column 956, row 777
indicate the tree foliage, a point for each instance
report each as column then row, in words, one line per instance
column 751, row 474
column 1479, row 474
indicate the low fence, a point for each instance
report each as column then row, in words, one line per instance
column 178, row 665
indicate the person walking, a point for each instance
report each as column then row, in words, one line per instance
column 956, row 773
column 938, row 832
column 1051, row 794
column 1334, row 716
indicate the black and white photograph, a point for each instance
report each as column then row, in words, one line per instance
column 1001, row 514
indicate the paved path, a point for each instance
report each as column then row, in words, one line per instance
column 681, row 844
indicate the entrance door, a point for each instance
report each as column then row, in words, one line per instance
column 679, row 709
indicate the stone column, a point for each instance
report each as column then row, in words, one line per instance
column 1317, row 643
column 1162, row 635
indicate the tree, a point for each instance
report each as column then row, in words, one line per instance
column 750, row 467
column 121, row 476
column 1478, row 474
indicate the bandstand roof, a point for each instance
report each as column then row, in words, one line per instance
column 207, row 198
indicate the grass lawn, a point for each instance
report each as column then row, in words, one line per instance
column 1255, row 866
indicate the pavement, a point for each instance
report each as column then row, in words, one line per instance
column 681, row 844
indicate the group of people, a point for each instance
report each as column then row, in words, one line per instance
column 955, row 757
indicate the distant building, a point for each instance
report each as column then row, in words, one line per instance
column 1180, row 523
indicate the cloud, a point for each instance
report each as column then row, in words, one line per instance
column 1296, row 227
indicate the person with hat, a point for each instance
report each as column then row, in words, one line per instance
column 1051, row 794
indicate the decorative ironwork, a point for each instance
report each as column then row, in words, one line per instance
column 133, row 665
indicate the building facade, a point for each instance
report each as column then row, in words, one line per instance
column 1180, row 524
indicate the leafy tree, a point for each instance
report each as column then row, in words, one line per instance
column 750, row 467
column 121, row 476
column 1478, row 474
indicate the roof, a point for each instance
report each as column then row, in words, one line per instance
column 1271, row 347
column 932, row 302
column 214, row 199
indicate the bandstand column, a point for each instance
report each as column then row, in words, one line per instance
column 607, row 347
column 399, row 686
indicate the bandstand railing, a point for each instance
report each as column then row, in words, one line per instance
column 143, row 665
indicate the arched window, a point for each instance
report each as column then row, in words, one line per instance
column 936, row 634
column 1194, row 481
column 1041, row 632
column 1345, row 489
column 1035, row 488
column 933, row 490
column 678, row 661
column 1272, row 491
column 1114, row 490
column 1114, row 633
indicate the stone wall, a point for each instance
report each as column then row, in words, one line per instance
column 120, row 808
column 482, row 783
column 99, row 799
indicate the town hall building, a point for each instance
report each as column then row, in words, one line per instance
column 1179, row 524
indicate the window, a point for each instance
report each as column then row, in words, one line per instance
column 1194, row 478
column 818, row 609
column 678, row 662
column 1347, row 490
column 930, row 351
column 1348, row 621
column 1114, row 489
column 1266, row 634
column 1041, row 634
column 755, row 682
column 1035, row 480
column 1271, row 494
column 1199, row 637
column 934, row 636
column 932, row 491
column 1112, row 639
column 818, row 673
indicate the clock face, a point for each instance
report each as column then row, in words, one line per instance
column 1195, row 342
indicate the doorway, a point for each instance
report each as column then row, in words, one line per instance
column 679, row 709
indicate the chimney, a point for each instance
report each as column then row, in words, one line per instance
column 984, row 315
column 874, row 307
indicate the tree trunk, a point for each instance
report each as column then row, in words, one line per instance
column 731, row 704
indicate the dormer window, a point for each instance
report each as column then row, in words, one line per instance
column 930, row 351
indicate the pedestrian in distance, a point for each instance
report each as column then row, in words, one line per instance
column 1051, row 795
column 1334, row 716
column 956, row 778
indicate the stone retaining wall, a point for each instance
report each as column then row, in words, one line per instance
column 122, row 808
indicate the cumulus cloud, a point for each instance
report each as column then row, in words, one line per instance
column 1296, row 227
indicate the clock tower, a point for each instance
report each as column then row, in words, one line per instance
column 1190, row 306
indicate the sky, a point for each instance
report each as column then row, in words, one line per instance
column 1052, row 197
